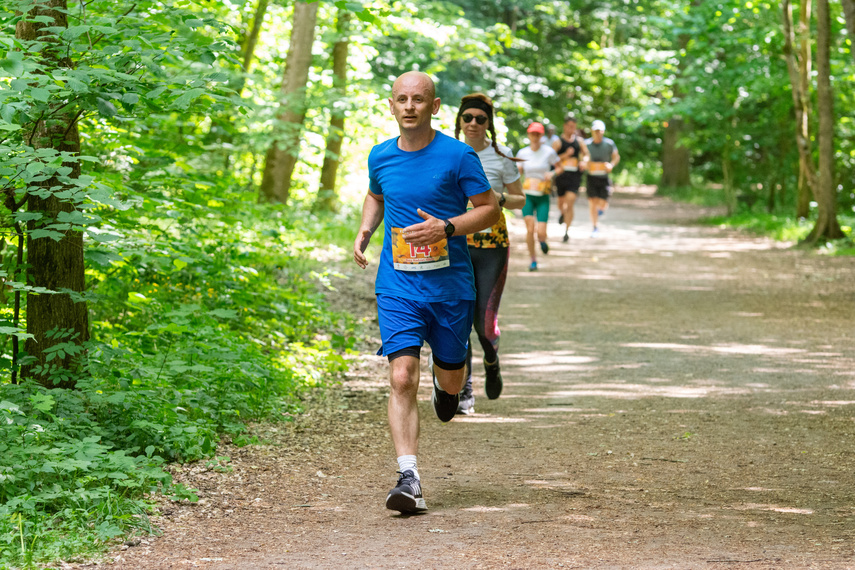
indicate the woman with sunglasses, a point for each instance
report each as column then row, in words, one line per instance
column 489, row 248
column 539, row 159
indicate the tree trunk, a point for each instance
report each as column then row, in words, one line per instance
column 727, row 175
column 827, row 226
column 254, row 32
column 54, row 265
column 327, row 199
column 675, row 156
column 282, row 155
column 849, row 15
column 799, row 70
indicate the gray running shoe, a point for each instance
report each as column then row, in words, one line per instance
column 493, row 384
column 406, row 497
column 444, row 404
column 467, row 399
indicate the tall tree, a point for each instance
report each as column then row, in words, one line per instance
column 327, row 195
column 849, row 15
column 676, row 156
column 799, row 69
column 827, row 226
column 254, row 31
column 282, row 154
column 54, row 264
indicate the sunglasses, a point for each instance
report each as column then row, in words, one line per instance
column 467, row 118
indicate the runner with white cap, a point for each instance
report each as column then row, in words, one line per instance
column 604, row 157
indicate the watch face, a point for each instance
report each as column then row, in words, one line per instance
column 449, row 229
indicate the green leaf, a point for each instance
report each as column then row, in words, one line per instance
column 15, row 332
column 40, row 94
column 74, row 32
column 7, row 113
column 13, row 64
column 224, row 313
column 35, row 167
column 104, row 237
column 54, row 235
column 184, row 101
column 77, row 86
column 155, row 93
column 106, row 108
column 134, row 297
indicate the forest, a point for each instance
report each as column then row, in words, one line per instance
column 182, row 182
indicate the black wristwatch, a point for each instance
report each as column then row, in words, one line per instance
column 449, row 228
column 502, row 199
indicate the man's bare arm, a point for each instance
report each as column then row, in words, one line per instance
column 372, row 214
column 484, row 214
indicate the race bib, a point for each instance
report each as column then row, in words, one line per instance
column 538, row 185
column 597, row 169
column 570, row 164
column 409, row 257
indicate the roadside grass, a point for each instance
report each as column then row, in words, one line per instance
column 778, row 226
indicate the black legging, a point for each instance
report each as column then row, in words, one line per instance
column 491, row 269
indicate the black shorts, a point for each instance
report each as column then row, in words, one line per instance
column 568, row 182
column 599, row 187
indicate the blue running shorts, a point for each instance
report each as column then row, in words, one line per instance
column 445, row 325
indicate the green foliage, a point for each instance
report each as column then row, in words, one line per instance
column 787, row 228
column 206, row 309
column 699, row 195
column 187, row 348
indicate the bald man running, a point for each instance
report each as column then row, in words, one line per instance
column 419, row 186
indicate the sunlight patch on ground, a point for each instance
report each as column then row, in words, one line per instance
column 770, row 411
column 833, row 403
column 480, row 509
column 747, row 349
column 630, row 391
column 539, row 357
column 488, row 419
column 774, row 508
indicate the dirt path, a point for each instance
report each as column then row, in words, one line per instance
column 675, row 397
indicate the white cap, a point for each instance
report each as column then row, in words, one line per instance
column 598, row 126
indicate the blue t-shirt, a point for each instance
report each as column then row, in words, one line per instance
column 439, row 179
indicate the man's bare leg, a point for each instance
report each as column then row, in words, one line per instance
column 403, row 409
column 450, row 381
column 569, row 205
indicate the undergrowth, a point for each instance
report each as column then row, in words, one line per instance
column 205, row 314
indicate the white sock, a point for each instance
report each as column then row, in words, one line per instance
column 408, row 462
